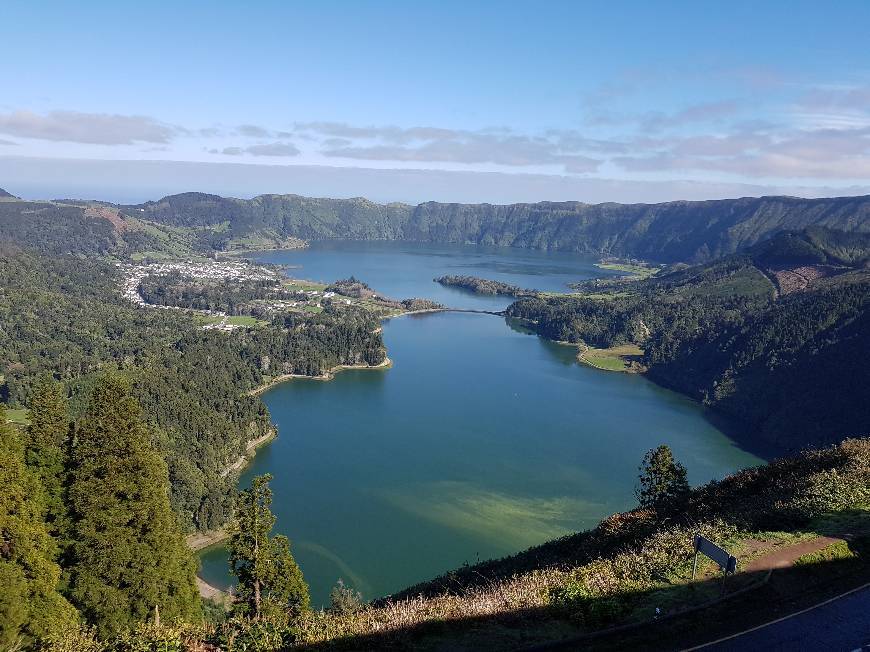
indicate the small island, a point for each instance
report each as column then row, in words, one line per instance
column 485, row 286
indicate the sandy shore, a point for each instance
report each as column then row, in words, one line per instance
column 200, row 540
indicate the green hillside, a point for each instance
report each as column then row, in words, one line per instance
column 665, row 233
column 787, row 360
column 668, row 232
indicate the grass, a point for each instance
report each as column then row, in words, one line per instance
column 151, row 255
column 245, row 320
column 616, row 358
column 848, row 522
column 835, row 551
column 485, row 616
column 304, row 286
column 636, row 270
column 18, row 416
column 235, row 320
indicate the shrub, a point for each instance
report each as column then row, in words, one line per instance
column 607, row 589
column 344, row 599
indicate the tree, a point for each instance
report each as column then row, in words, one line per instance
column 128, row 554
column 31, row 608
column 46, row 450
column 662, row 479
column 270, row 581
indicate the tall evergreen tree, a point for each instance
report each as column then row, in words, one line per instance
column 270, row 580
column 662, row 479
column 30, row 605
column 47, row 447
column 128, row 553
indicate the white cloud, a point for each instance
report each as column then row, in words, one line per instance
column 93, row 128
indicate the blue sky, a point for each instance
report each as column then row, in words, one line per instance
column 725, row 96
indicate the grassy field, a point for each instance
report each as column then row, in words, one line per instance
column 235, row 320
column 17, row 415
column 616, row 358
column 303, row 286
column 638, row 270
column 245, row 320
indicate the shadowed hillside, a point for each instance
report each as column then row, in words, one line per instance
column 776, row 337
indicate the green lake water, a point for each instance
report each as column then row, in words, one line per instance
column 480, row 441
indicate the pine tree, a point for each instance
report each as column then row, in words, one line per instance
column 128, row 554
column 662, row 479
column 270, row 581
column 30, row 605
column 47, row 447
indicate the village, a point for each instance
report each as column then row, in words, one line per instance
column 301, row 296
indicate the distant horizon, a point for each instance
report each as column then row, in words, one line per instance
column 448, row 101
column 135, row 182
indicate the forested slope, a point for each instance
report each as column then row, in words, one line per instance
column 65, row 317
column 790, row 365
column 668, row 232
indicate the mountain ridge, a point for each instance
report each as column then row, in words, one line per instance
column 678, row 231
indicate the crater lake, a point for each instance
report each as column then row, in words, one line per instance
column 480, row 441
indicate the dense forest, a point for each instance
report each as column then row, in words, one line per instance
column 788, row 362
column 671, row 232
column 64, row 317
column 483, row 285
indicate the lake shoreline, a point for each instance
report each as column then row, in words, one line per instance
column 441, row 346
column 329, row 374
column 250, row 450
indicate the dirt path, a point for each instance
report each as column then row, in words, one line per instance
column 785, row 557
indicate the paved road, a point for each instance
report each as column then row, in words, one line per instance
column 839, row 626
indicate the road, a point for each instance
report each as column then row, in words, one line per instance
column 841, row 625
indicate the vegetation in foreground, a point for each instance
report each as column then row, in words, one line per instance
column 91, row 550
column 633, row 568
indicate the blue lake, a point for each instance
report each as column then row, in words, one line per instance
column 480, row 441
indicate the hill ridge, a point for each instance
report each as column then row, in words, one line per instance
column 678, row 231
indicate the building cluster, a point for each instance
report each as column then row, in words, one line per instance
column 224, row 270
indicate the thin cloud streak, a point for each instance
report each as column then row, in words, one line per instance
column 262, row 149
